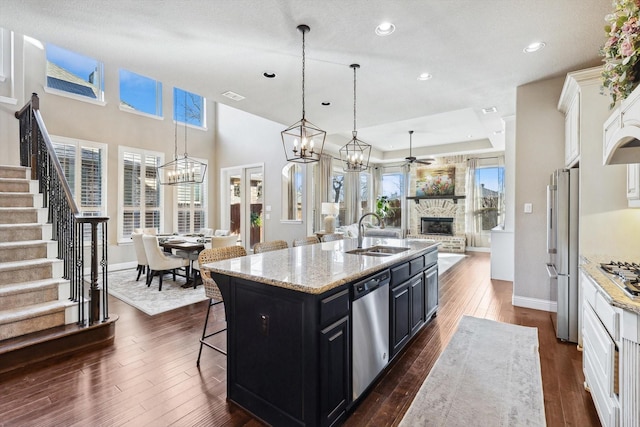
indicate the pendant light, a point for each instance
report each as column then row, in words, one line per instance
column 181, row 170
column 355, row 154
column 303, row 141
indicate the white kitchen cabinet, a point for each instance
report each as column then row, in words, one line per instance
column 633, row 185
column 572, row 132
column 576, row 119
column 600, row 335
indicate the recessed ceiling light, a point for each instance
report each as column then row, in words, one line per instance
column 232, row 95
column 489, row 110
column 326, row 103
column 469, row 136
column 534, row 47
column 269, row 74
column 424, row 76
column 385, row 29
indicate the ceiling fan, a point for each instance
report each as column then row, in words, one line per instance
column 411, row 158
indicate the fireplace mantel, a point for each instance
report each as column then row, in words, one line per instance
column 418, row 198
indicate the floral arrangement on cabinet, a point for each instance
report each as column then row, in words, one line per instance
column 621, row 72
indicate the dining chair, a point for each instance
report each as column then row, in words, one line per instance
column 309, row 240
column 273, row 245
column 138, row 246
column 332, row 237
column 222, row 241
column 160, row 262
column 211, row 289
column 206, row 232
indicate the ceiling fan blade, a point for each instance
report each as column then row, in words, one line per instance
column 425, row 162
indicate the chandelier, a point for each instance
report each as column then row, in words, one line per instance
column 303, row 141
column 355, row 154
column 181, row 170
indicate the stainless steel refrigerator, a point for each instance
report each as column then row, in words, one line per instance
column 562, row 249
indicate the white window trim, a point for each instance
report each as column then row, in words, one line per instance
column 140, row 113
column 73, row 96
column 6, row 54
column 121, row 150
column 78, row 182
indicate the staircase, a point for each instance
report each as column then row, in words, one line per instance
column 37, row 318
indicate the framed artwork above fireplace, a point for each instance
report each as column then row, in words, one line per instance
column 436, row 181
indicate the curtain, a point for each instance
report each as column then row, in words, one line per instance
column 481, row 202
column 351, row 197
column 322, row 188
column 473, row 222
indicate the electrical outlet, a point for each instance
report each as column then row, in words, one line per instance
column 528, row 208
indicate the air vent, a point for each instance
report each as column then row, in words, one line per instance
column 233, row 95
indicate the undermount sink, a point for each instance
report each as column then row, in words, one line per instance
column 378, row 250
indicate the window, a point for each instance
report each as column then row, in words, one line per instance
column 140, row 94
column 393, row 188
column 337, row 194
column 292, row 192
column 188, row 108
column 84, row 164
column 191, row 207
column 73, row 74
column 5, row 54
column 139, row 195
column 490, row 185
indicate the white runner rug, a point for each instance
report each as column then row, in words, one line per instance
column 488, row 375
column 123, row 285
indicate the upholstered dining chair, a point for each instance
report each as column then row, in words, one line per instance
column 302, row 241
column 332, row 237
column 161, row 263
column 211, row 289
column 222, row 241
column 273, row 245
column 138, row 246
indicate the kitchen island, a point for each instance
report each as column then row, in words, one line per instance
column 290, row 334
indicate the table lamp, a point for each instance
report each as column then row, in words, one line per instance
column 330, row 210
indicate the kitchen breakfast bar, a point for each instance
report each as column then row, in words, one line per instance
column 310, row 328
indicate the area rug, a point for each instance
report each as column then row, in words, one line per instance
column 488, row 375
column 448, row 260
column 123, row 285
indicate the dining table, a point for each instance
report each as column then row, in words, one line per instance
column 186, row 247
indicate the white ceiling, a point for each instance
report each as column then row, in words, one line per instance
column 472, row 48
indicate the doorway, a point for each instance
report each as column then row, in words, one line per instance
column 242, row 203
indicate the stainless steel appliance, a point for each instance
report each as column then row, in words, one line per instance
column 562, row 247
column 370, row 316
column 626, row 275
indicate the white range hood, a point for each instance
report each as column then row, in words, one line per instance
column 621, row 134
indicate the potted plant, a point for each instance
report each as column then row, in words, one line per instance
column 256, row 219
column 383, row 207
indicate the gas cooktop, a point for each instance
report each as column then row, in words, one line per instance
column 624, row 274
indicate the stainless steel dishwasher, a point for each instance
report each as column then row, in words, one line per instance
column 370, row 317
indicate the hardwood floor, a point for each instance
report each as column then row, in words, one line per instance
column 149, row 375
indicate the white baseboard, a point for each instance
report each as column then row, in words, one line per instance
column 535, row 303
column 123, row 266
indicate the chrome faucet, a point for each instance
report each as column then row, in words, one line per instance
column 361, row 227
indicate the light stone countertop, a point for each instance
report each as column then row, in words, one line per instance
column 315, row 269
column 590, row 265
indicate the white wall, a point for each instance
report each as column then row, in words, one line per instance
column 539, row 150
column 105, row 124
column 244, row 139
column 608, row 227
